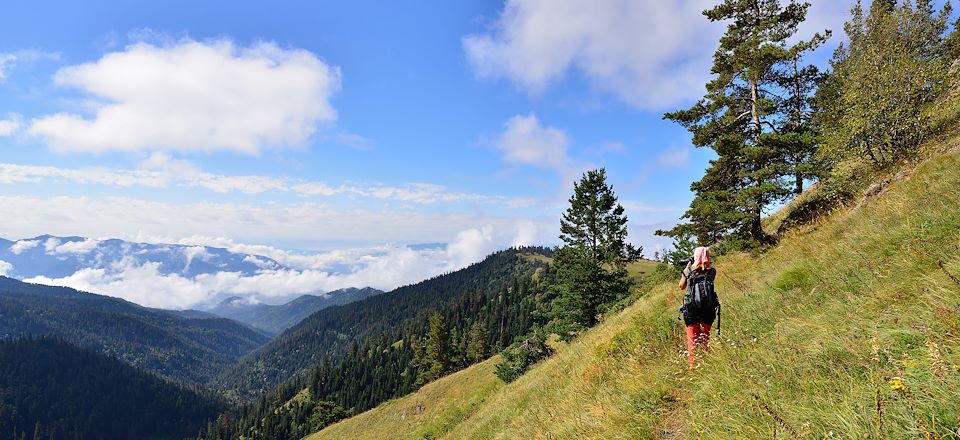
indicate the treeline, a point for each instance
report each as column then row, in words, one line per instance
column 50, row 389
column 777, row 122
column 394, row 343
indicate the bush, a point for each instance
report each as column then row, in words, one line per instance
column 520, row 355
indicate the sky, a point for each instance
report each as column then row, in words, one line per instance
column 331, row 126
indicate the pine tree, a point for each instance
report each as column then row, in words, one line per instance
column 478, row 346
column 437, row 356
column 591, row 265
column 742, row 117
column 796, row 136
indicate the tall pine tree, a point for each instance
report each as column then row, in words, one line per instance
column 745, row 117
column 438, row 355
column 591, row 265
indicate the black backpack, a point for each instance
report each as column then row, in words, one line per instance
column 701, row 298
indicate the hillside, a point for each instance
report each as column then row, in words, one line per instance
column 274, row 319
column 850, row 328
column 183, row 348
column 383, row 324
column 51, row 389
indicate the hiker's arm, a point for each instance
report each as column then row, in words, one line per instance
column 683, row 277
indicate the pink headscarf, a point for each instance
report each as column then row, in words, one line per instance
column 701, row 255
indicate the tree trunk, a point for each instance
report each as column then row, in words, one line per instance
column 754, row 111
column 798, row 189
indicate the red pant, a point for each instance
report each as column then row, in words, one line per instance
column 697, row 334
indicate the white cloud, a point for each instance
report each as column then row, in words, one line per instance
column 304, row 223
column 259, row 262
column 525, row 141
column 23, row 245
column 10, row 125
column 613, row 147
column 678, row 157
column 384, row 267
column 5, row 268
column 142, row 284
column 191, row 252
column 73, row 247
column 470, row 246
column 6, row 62
column 192, row 96
column 50, row 245
column 161, row 171
column 651, row 55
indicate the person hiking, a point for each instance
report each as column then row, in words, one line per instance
column 700, row 304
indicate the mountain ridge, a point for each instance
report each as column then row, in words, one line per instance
column 173, row 346
column 274, row 319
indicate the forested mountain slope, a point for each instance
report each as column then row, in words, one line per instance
column 382, row 322
column 189, row 349
column 274, row 319
column 50, row 389
column 849, row 328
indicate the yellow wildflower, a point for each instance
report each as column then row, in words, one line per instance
column 897, row 385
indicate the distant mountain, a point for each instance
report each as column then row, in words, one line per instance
column 191, row 349
column 50, row 389
column 274, row 319
column 57, row 257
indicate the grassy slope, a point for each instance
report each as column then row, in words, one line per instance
column 816, row 334
column 428, row 413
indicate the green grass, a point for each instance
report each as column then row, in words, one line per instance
column 818, row 335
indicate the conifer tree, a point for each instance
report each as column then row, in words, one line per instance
column 591, row 265
column 478, row 346
column 743, row 117
column 437, row 356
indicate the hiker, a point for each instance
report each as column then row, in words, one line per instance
column 700, row 304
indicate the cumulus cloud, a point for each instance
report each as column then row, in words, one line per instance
column 192, row 252
column 50, row 245
column 72, row 247
column 194, row 96
column 651, row 55
column 10, row 125
column 470, row 246
column 525, row 141
column 23, row 245
column 5, row 268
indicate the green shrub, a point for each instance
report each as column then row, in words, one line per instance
column 520, row 355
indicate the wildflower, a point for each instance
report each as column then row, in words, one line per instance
column 897, row 385
column 956, row 368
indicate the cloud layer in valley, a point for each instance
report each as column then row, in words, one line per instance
column 383, row 267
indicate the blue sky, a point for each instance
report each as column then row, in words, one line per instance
column 328, row 125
